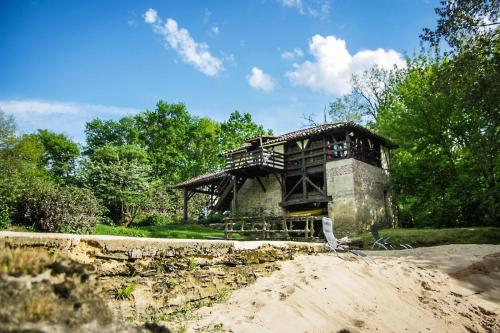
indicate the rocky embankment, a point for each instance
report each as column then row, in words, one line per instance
column 57, row 283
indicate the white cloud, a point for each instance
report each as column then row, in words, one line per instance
column 260, row 80
column 316, row 8
column 295, row 53
column 29, row 108
column 151, row 16
column 66, row 117
column 179, row 39
column 215, row 29
column 333, row 65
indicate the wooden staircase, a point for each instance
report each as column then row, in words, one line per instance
column 224, row 193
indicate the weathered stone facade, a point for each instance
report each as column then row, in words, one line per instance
column 358, row 195
column 252, row 197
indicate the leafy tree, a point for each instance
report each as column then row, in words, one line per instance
column 203, row 150
column 166, row 136
column 60, row 154
column 120, row 178
column 22, row 168
column 463, row 24
column 446, row 170
column 101, row 133
column 370, row 92
column 237, row 129
column 178, row 144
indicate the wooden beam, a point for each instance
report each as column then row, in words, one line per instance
column 314, row 185
column 294, row 187
column 261, row 184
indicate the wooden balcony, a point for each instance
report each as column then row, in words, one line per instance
column 259, row 161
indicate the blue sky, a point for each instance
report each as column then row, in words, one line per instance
column 63, row 63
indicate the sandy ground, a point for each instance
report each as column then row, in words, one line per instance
column 453, row 288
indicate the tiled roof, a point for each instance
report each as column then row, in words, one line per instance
column 203, row 179
column 306, row 132
column 264, row 138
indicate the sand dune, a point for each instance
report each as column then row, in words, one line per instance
column 453, row 288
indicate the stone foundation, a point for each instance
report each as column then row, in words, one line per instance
column 358, row 197
column 251, row 196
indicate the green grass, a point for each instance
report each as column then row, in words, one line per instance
column 432, row 237
column 193, row 231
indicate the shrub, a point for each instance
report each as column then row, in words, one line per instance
column 54, row 208
column 153, row 220
column 214, row 217
column 4, row 217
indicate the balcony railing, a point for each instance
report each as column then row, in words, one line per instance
column 256, row 158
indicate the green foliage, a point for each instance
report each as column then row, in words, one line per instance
column 214, row 217
column 464, row 23
column 120, row 179
column 445, row 171
column 60, row 154
column 22, row 168
column 5, row 214
column 192, row 264
column 178, row 145
column 110, row 133
column 153, row 220
column 55, row 208
column 117, row 154
column 237, row 129
column 370, row 92
column 125, row 292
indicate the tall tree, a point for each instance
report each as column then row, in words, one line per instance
column 120, row 178
column 178, row 144
column 237, row 129
column 370, row 92
column 60, row 154
column 21, row 162
column 462, row 24
column 101, row 133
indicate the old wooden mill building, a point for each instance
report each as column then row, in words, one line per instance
column 339, row 170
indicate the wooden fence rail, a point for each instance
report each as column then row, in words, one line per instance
column 273, row 227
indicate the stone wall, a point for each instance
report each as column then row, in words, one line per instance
column 252, row 197
column 358, row 198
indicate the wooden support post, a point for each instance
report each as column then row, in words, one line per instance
column 225, row 229
column 235, row 193
column 186, row 199
column 263, row 227
column 285, row 228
